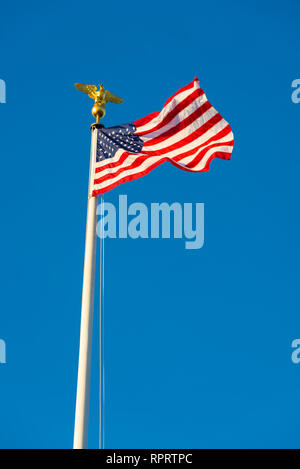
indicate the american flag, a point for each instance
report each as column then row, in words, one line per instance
column 188, row 132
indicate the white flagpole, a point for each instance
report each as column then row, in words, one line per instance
column 87, row 306
column 101, row 97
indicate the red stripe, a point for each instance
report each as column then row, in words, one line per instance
column 214, row 139
column 176, row 110
column 192, row 164
column 185, row 88
column 186, row 102
column 132, row 177
column 140, row 159
column 217, row 154
column 145, row 120
column 149, row 117
column 114, row 164
column 180, row 126
column 222, row 133
column 196, row 154
column 137, row 162
column 190, row 138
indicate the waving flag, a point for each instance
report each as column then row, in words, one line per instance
column 188, row 132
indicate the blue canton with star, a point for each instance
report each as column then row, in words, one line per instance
column 112, row 139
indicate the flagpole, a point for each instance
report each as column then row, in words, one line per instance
column 101, row 97
column 87, row 306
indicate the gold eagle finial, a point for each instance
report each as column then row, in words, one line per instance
column 101, row 97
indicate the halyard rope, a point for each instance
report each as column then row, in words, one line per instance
column 101, row 335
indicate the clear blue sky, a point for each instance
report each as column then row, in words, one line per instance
column 198, row 343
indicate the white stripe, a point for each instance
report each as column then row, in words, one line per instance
column 196, row 143
column 187, row 110
column 151, row 161
column 114, row 159
column 203, row 161
column 199, row 165
column 182, row 134
column 196, row 104
column 185, row 132
column 192, row 145
column 187, row 159
column 165, row 111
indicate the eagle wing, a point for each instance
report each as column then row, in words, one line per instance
column 89, row 89
column 109, row 97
